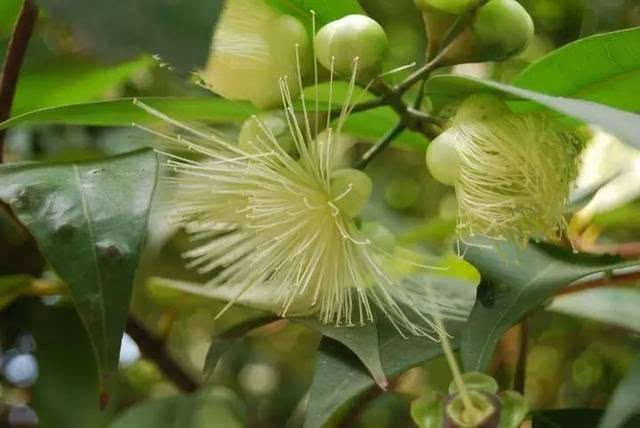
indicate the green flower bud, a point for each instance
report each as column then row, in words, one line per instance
column 402, row 192
column 353, row 36
column 503, row 28
column 450, row 6
column 256, row 132
column 350, row 189
column 443, row 159
column 253, row 47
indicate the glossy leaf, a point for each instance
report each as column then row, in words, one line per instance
column 89, row 220
column 613, row 305
column 216, row 407
column 514, row 282
column 604, row 68
column 340, row 377
column 624, row 402
column 179, row 31
column 624, row 125
column 369, row 125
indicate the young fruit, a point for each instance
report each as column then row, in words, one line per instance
column 503, row 28
column 340, row 42
column 450, row 6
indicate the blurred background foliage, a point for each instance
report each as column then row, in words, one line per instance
column 92, row 51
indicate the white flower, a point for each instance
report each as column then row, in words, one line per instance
column 267, row 218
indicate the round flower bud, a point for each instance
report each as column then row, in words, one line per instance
column 503, row 28
column 350, row 189
column 257, row 131
column 443, row 159
column 450, row 6
column 402, row 192
column 381, row 237
column 348, row 38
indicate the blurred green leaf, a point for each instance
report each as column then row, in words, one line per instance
column 624, row 125
column 325, row 10
column 8, row 14
column 179, row 31
column 11, row 287
column 604, row 68
column 613, row 305
column 67, row 391
column 624, row 403
column 89, row 220
column 213, row 408
column 68, row 81
column 515, row 281
column 340, row 376
column 122, row 112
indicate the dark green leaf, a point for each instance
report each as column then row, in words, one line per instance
column 515, row 281
column 89, row 220
column 361, row 340
column 214, row 408
column 178, row 30
column 604, row 68
column 614, row 305
column 340, row 376
column 567, row 418
column 68, row 81
column 624, row 125
column 624, row 403
column 66, row 393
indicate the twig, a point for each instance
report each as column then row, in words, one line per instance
column 601, row 282
column 380, row 145
column 521, row 366
column 13, row 62
column 154, row 348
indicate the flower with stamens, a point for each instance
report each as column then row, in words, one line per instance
column 512, row 172
column 253, row 46
column 287, row 224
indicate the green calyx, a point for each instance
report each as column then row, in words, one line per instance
column 350, row 190
column 353, row 38
column 486, row 409
column 502, row 28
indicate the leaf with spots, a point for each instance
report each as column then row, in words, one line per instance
column 89, row 220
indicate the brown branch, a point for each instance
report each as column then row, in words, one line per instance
column 600, row 282
column 13, row 62
column 153, row 348
column 521, row 365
